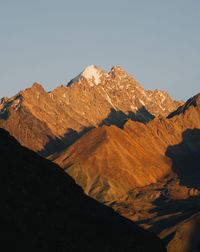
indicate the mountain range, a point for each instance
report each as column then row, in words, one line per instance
column 109, row 160
column 48, row 121
column 134, row 150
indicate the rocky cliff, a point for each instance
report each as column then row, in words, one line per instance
column 50, row 121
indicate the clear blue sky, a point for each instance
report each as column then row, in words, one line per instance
column 51, row 41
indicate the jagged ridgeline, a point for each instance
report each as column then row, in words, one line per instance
column 109, row 161
column 50, row 121
column 132, row 149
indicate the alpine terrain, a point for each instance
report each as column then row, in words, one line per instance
column 133, row 150
column 48, row 121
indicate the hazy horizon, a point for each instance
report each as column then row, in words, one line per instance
column 50, row 42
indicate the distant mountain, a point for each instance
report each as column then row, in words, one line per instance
column 50, row 121
column 42, row 209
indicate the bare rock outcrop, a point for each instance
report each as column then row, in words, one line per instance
column 108, row 161
column 50, row 121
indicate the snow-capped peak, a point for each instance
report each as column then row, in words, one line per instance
column 91, row 73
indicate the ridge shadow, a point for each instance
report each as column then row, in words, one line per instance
column 58, row 144
column 185, row 158
column 115, row 117
column 119, row 118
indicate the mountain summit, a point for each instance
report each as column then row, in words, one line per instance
column 48, row 121
column 91, row 73
column 133, row 149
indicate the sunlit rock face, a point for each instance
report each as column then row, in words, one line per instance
column 109, row 161
column 148, row 173
column 135, row 150
column 50, row 121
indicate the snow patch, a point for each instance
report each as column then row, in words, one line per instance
column 91, row 73
column 108, row 99
column 142, row 102
column 163, row 97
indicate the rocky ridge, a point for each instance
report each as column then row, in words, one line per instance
column 50, row 121
column 108, row 161
column 138, row 150
column 148, row 173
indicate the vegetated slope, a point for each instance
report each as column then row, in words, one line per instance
column 42, row 209
column 109, row 161
column 49, row 121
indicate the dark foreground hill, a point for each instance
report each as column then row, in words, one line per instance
column 44, row 210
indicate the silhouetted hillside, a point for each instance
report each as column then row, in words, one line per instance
column 44, row 210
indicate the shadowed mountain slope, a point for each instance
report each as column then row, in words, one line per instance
column 170, row 208
column 186, row 235
column 104, row 163
column 109, row 161
column 185, row 158
column 42, row 209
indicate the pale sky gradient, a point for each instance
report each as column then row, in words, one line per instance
column 51, row 41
